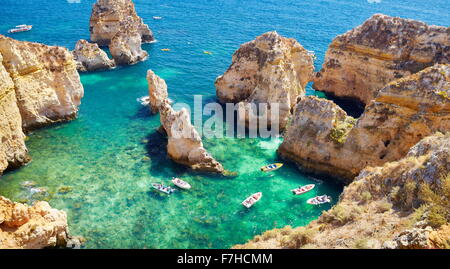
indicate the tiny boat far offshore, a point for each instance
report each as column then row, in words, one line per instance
column 20, row 28
column 157, row 17
column 303, row 189
column 271, row 167
column 181, row 183
column 318, row 200
column 162, row 188
column 252, row 199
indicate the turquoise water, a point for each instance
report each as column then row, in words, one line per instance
column 108, row 157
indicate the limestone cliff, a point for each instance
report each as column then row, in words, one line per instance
column 360, row 62
column 269, row 69
column 157, row 91
column 90, row 57
column 46, row 81
column 107, row 16
column 322, row 138
column 402, row 204
column 184, row 143
column 31, row 227
column 125, row 46
column 13, row 152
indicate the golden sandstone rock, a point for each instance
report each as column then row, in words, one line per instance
column 363, row 60
column 90, row 57
column 157, row 91
column 269, row 69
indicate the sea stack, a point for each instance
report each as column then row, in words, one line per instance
column 46, row 82
column 90, row 57
column 31, row 227
column 400, row 205
column 360, row 62
column 404, row 112
column 269, row 69
column 157, row 91
column 106, row 19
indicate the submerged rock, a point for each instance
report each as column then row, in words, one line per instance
column 125, row 46
column 360, row 62
column 157, row 90
column 46, row 82
column 184, row 143
column 322, row 138
column 31, row 227
column 90, row 57
column 269, row 69
column 106, row 19
column 383, row 207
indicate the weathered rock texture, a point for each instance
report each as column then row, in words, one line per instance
column 106, row 19
column 125, row 46
column 322, row 138
column 46, row 81
column 184, row 143
column 13, row 152
column 360, row 62
column 157, row 90
column 31, row 227
column 402, row 204
column 269, row 69
column 90, row 57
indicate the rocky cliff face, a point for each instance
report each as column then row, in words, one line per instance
column 46, row 82
column 402, row 204
column 31, row 227
column 125, row 46
column 157, row 90
column 13, row 152
column 107, row 16
column 90, row 57
column 360, row 62
column 269, row 69
column 404, row 112
column 184, row 143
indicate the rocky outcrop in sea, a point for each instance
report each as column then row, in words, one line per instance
column 362, row 61
column 401, row 204
column 269, row 69
column 106, row 19
column 90, row 57
column 404, row 112
column 157, row 91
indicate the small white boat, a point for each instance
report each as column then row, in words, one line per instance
column 251, row 200
column 303, row 189
column 144, row 100
column 318, row 200
column 20, row 28
column 157, row 18
column 162, row 188
column 181, row 183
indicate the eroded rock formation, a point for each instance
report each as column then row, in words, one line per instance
column 13, row 152
column 90, row 57
column 106, row 19
column 404, row 112
column 402, row 204
column 269, row 69
column 157, row 90
column 46, row 82
column 184, row 143
column 125, row 46
column 31, row 227
column 360, row 62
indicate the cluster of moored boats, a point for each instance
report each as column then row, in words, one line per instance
column 254, row 198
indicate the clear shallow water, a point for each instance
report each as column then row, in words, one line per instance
column 111, row 153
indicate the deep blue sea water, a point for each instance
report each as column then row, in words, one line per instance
column 109, row 156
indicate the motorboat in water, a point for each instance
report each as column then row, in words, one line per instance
column 303, row 189
column 144, row 100
column 252, row 199
column 163, row 188
column 271, row 167
column 181, row 183
column 318, row 200
column 20, row 28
